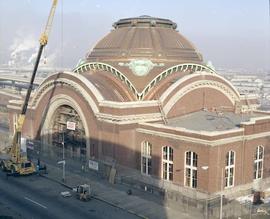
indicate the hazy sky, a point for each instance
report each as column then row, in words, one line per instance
column 230, row 33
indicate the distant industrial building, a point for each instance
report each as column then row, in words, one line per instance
column 144, row 99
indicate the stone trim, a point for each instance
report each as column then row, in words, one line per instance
column 200, row 84
column 188, row 77
column 205, row 133
column 10, row 94
column 140, row 95
column 252, row 121
column 174, row 69
column 106, row 67
column 52, row 83
column 88, row 84
column 200, row 141
column 129, row 119
column 128, row 105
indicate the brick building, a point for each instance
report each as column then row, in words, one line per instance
column 144, row 98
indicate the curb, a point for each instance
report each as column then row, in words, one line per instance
column 97, row 198
column 120, row 207
column 57, row 181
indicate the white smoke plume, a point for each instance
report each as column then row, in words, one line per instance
column 23, row 50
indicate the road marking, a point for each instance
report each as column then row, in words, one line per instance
column 35, row 202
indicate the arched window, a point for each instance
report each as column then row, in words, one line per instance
column 167, row 163
column 146, row 158
column 229, row 169
column 191, row 165
column 258, row 162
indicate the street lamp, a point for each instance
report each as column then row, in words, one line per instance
column 63, row 162
column 221, row 190
column 221, row 194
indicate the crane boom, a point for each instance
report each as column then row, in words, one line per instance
column 45, row 35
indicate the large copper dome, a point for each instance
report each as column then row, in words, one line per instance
column 145, row 37
column 140, row 53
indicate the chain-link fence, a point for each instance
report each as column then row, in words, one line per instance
column 75, row 162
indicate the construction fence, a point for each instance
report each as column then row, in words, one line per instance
column 207, row 208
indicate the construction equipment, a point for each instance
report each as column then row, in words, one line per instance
column 83, row 192
column 17, row 163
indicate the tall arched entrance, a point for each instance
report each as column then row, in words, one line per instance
column 72, row 137
column 56, row 132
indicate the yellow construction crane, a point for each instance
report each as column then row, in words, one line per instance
column 15, row 162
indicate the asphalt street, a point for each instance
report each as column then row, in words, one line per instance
column 38, row 197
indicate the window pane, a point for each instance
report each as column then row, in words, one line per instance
column 171, row 154
column 260, row 152
column 227, row 159
column 170, row 171
column 255, row 167
column 164, row 170
column 149, row 166
column 232, row 158
column 195, row 159
column 194, row 179
column 150, row 150
column 188, row 177
column 165, row 153
column 259, row 174
column 143, row 164
column 188, row 158
column 194, row 183
column 170, row 167
column 231, row 172
column 226, row 173
column 188, row 172
column 171, row 176
column 144, row 148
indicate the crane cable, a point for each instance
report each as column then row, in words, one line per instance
column 62, row 32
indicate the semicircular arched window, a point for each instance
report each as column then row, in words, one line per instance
column 191, row 166
column 230, row 169
column 258, row 162
column 167, row 163
column 146, row 158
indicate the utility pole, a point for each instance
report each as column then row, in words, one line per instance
column 63, row 162
column 221, row 194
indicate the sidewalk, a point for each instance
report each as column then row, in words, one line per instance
column 116, row 195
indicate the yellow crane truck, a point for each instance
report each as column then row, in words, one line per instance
column 14, row 161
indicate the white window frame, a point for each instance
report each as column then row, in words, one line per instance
column 192, row 169
column 229, row 168
column 168, row 162
column 146, row 152
column 258, row 160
